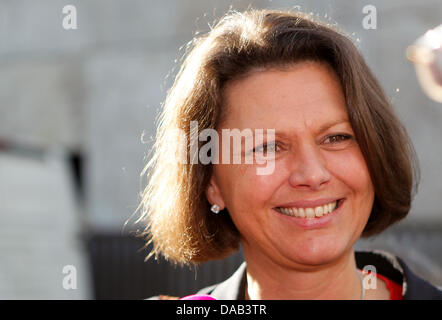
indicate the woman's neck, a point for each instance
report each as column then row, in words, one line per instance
column 338, row 280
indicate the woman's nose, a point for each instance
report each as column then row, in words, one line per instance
column 308, row 168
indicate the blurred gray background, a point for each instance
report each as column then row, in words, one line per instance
column 78, row 108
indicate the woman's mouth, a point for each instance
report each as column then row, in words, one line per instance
column 310, row 213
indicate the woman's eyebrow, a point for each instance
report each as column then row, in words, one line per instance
column 322, row 128
column 330, row 124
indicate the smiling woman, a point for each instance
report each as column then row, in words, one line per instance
column 343, row 165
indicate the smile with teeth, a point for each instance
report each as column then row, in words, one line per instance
column 315, row 212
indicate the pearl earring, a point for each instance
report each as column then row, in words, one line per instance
column 215, row 209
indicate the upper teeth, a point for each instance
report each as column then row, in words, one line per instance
column 309, row 212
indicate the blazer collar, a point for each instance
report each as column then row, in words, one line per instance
column 385, row 263
column 234, row 287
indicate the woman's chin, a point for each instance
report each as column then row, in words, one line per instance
column 317, row 252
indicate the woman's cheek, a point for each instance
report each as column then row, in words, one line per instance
column 349, row 167
column 250, row 194
column 264, row 184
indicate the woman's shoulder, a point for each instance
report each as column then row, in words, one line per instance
column 394, row 268
column 230, row 289
column 417, row 287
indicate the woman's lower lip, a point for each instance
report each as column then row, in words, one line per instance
column 313, row 223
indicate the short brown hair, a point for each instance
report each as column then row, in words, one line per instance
column 175, row 208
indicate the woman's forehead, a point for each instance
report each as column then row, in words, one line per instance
column 306, row 95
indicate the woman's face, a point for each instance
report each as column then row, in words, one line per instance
column 317, row 163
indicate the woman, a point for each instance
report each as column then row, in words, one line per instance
column 340, row 165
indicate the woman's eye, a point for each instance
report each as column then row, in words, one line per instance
column 337, row 138
column 266, row 148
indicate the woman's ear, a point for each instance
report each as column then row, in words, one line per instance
column 213, row 193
